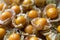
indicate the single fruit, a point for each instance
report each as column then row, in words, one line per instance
column 33, row 38
column 1, row 6
column 16, row 9
column 58, row 28
column 5, row 15
column 33, row 14
column 29, row 29
column 2, row 32
column 41, row 22
column 26, row 2
column 52, row 13
column 14, row 36
column 20, row 20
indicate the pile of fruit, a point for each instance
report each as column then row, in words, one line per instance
column 29, row 20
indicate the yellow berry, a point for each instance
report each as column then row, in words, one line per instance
column 52, row 13
column 20, row 20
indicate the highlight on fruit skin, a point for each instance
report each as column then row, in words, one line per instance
column 33, row 38
column 2, row 32
column 58, row 28
column 2, row 6
column 32, row 14
column 51, row 12
column 41, row 23
column 20, row 20
column 5, row 15
column 27, row 5
column 27, row 2
column 29, row 29
column 14, row 36
column 16, row 8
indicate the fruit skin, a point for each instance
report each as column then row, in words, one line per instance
column 52, row 13
column 33, row 38
column 2, row 32
column 58, row 28
column 29, row 29
column 42, row 22
column 5, row 15
column 14, row 36
column 48, row 38
column 1, row 6
column 33, row 14
column 26, row 2
column 9, row 2
column 20, row 20
column 16, row 9
column 40, row 3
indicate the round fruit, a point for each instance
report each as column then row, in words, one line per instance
column 40, row 3
column 2, row 32
column 58, row 28
column 1, row 6
column 52, row 13
column 33, row 14
column 5, row 15
column 26, row 2
column 29, row 29
column 14, row 36
column 16, row 9
column 48, row 38
column 33, row 38
column 41, row 21
column 20, row 20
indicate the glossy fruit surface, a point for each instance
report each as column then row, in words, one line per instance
column 58, row 28
column 26, row 2
column 29, row 29
column 20, row 20
column 33, row 14
column 16, row 9
column 1, row 6
column 48, row 38
column 2, row 32
column 14, row 36
column 52, row 13
column 41, row 21
column 33, row 38
column 5, row 15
